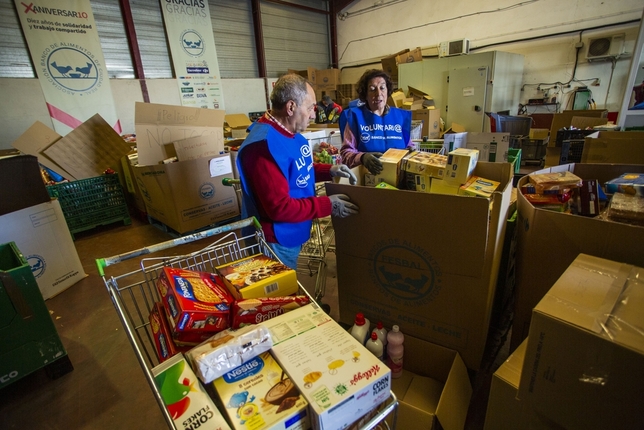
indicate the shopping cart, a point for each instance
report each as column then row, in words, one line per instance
column 134, row 291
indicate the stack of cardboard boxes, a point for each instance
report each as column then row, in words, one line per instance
column 325, row 82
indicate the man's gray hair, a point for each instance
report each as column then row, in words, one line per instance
column 289, row 87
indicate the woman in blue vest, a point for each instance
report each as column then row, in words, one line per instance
column 370, row 126
column 278, row 175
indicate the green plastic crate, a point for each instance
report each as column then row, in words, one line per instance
column 514, row 156
column 89, row 203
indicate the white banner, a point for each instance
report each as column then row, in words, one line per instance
column 194, row 57
column 66, row 52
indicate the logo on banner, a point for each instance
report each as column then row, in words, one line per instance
column 192, row 43
column 72, row 69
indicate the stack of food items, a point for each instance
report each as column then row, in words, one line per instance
column 227, row 344
column 552, row 191
column 431, row 172
column 627, row 202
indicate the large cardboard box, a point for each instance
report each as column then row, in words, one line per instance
column 188, row 195
column 565, row 119
column 434, row 391
column 390, row 63
column 504, row 410
column 548, row 242
column 626, row 147
column 584, row 363
column 431, row 121
column 327, row 79
column 41, row 234
column 436, row 277
column 238, row 123
column 392, row 161
column 341, row 379
column 309, row 74
column 24, row 186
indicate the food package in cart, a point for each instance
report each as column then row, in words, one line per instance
column 227, row 350
column 195, row 301
column 185, row 399
column 554, row 181
column 255, row 311
column 339, row 377
column 258, row 276
column 259, row 395
column 162, row 334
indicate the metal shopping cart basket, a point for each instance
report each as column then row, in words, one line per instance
column 134, row 292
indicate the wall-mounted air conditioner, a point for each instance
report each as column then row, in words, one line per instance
column 605, row 48
column 455, row 47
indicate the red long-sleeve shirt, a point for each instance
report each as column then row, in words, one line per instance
column 271, row 189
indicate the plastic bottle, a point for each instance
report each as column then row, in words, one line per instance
column 360, row 329
column 395, row 350
column 381, row 331
column 375, row 346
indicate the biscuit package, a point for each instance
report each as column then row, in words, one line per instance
column 227, row 350
column 254, row 311
column 195, row 301
column 257, row 277
column 162, row 334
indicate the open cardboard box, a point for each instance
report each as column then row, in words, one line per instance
column 548, row 242
column 434, row 391
column 435, row 278
column 238, row 123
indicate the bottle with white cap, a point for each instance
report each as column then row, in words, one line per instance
column 381, row 331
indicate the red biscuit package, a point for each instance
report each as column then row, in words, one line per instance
column 162, row 334
column 195, row 301
column 254, row 311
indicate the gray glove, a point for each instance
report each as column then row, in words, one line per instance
column 341, row 206
column 371, row 162
column 342, row 171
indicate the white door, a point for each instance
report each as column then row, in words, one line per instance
column 466, row 95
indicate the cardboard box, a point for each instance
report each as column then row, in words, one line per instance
column 341, row 379
column 504, row 410
column 391, row 168
column 390, row 64
column 256, row 395
column 491, row 146
column 538, row 133
column 414, row 274
column 132, row 191
column 440, row 186
column 41, row 234
column 619, row 147
column 238, row 123
column 434, row 391
column 189, row 408
column 309, row 74
column 553, row 240
column 453, row 140
column 25, row 185
column 410, row 56
column 328, row 79
column 188, row 195
column 460, row 165
column 564, row 119
column 258, row 276
column 597, row 305
column 426, row 163
column 431, row 121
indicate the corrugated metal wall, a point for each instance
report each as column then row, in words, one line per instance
column 293, row 38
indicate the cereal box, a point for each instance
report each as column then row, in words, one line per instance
column 258, row 276
column 254, row 311
column 478, row 187
column 162, row 334
column 195, row 301
column 185, row 399
column 340, row 378
column 259, row 395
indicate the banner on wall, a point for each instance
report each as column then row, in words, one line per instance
column 67, row 55
column 194, row 57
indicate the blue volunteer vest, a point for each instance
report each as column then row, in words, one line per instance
column 293, row 157
column 377, row 133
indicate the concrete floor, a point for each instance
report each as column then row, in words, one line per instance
column 107, row 388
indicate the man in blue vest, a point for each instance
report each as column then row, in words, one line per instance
column 278, row 175
column 369, row 126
